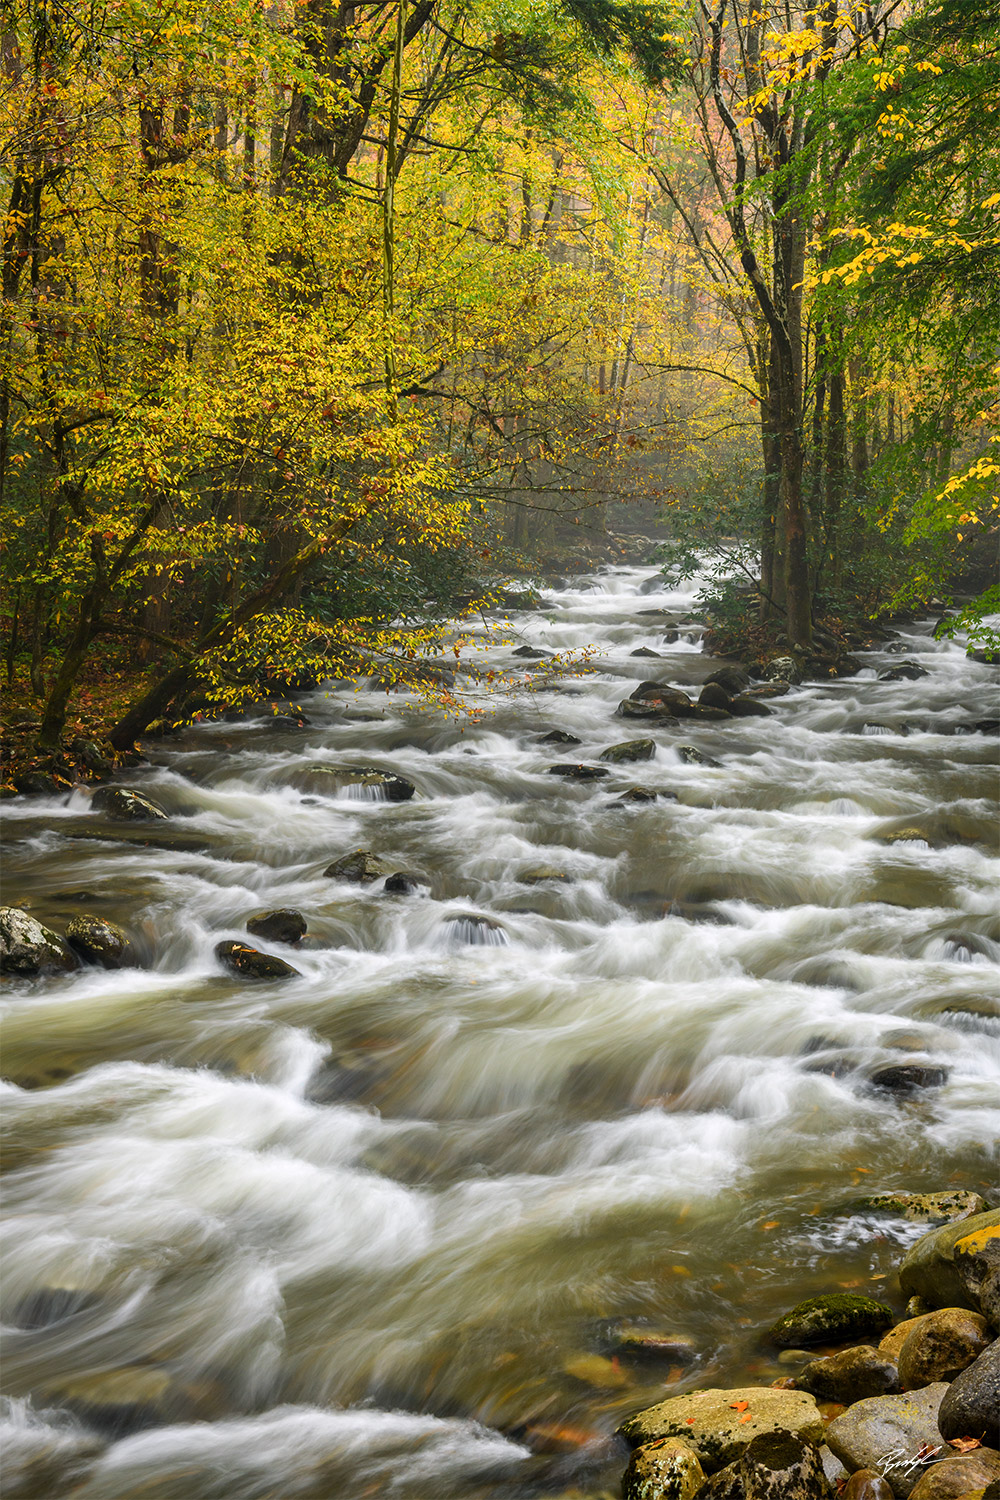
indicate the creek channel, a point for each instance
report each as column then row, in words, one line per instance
column 377, row 1229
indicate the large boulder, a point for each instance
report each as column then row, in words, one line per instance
column 638, row 708
column 928, row 1269
column 579, row 772
column 830, row 1320
column 98, row 941
column 849, row 1375
column 778, row 1466
column 123, row 805
column 746, row 707
column 959, row 1477
column 26, row 947
column 714, row 695
column 283, row 924
column 664, row 1470
column 719, row 1423
column 731, row 679
column 977, row 1261
column 360, row 867
column 909, row 1078
column 889, row 1434
column 250, row 963
column 629, row 750
column 660, row 694
column 783, row 669
column 941, row 1346
column 971, row 1407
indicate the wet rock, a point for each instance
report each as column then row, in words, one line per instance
column 987, row 726
column 646, row 794
column 713, row 695
column 281, row 925
column 778, row 1466
column 692, row 756
column 647, row 1344
column 928, row 1269
column 706, row 712
column 924, row 1208
column 40, row 784
column 830, row 1320
column 977, row 1261
column 783, row 669
column 249, row 963
column 890, row 1345
column 776, row 689
column 26, row 947
column 43, row 1460
column 538, row 874
column 715, row 1421
column 747, row 707
column 125, row 1400
column 866, row 1484
column 645, row 651
column 98, row 941
column 579, row 772
column 665, row 1470
column 887, row 1433
column 906, row 671
column 385, row 784
column 911, row 835
column 360, row 867
column 629, row 750
column 958, row 1477
column 909, row 1078
column 558, row 737
column 727, row 1484
column 674, row 700
column 971, row 1407
column 122, row 805
column 632, row 708
column 526, row 599
column 849, row 1375
column 941, row 1346
column 476, row 930
column 400, row 884
column 530, row 654
column 847, row 666
column 732, row 680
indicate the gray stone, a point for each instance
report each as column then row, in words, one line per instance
column 720, row 1423
column 282, row 925
column 727, row 1484
column 958, row 1477
column 250, row 963
column 98, row 941
column 664, row 1470
column 849, row 1375
column 558, row 737
column 660, row 694
column 360, row 867
column 941, row 1346
column 777, row 1466
column 909, row 1078
column 538, row 874
column 745, row 707
column 26, row 947
column 646, row 794
column 692, row 756
column 637, row 708
column 629, row 750
column 713, row 695
column 783, row 669
column 400, row 884
column 971, row 1407
column 122, row 805
column 977, row 1262
column 928, row 1269
column 887, row 1434
column 831, row 1319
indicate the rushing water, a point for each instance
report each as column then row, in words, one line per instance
column 372, row 1230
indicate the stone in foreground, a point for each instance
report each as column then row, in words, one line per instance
column 629, row 750
column 831, row 1319
column 929, row 1269
column 667, row 1469
column 122, row 805
column 888, row 1434
column 959, row 1477
column 719, row 1424
column 26, row 947
column 849, row 1375
column 924, row 1208
column 941, row 1346
column 778, row 1466
column 971, row 1407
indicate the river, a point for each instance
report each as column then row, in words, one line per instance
column 382, row 1228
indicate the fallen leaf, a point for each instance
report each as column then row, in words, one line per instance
column 739, row 1405
column 771, row 1224
column 689, row 1421
column 927, row 1451
column 964, row 1444
column 747, row 1418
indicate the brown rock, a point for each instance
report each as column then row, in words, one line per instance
column 720, row 1423
column 849, row 1375
column 777, row 1466
column 866, row 1484
column 896, row 1337
column 953, row 1478
column 664, row 1470
column 941, row 1346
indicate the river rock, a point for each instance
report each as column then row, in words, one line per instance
column 361, row 867
column 783, row 669
column 26, row 947
column 977, row 1261
column 866, row 1484
column 638, row 708
column 122, row 805
column 726, row 1484
column 692, row 756
column 830, row 1320
column 530, row 654
column 849, row 1375
column 477, row 930
column 731, row 679
column 957, row 1477
column 629, row 750
column 887, row 1433
column 660, row 694
column 714, row 695
column 719, row 1423
column 941, row 1346
column 250, row 963
column 538, row 874
column 281, row 925
column 645, row 651
column 971, row 1407
column 98, row 941
column 558, row 737
column 579, row 772
column 777, row 1466
column 928, row 1269
column 745, row 707
column 649, row 1344
column 890, row 1345
column 924, row 1208
column 909, row 1078
column 386, row 783
column 906, row 671
column 400, row 884
column 646, row 794
column 775, row 689
column 665, row 1470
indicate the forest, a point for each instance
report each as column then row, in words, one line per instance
column 321, row 321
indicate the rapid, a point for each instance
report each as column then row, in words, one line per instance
column 377, row 1229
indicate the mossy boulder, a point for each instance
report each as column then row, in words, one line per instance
column 668, row 1469
column 629, row 750
column 123, row 805
column 360, row 867
column 719, row 1424
column 98, row 941
column 26, row 947
column 830, row 1320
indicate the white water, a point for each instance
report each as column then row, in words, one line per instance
column 353, row 1233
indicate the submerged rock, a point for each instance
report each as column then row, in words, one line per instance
column 645, row 651
column 250, row 963
column 477, row 930
column 646, row 794
column 941, row 1345
column 361, row 867
column 924, row 1208
column 747, row 707
column 638, row 708
column 629, row 750
column 720, row 1423
column 665, row 1470
column 281, row 925
column 98, row 941
column 26, row 947
column 849, row 1375
column 122, row 805
column 692, row 756
column 971, row 1406
column 831, row 1319
column 888, row 1434
column 579, row 772
column 909, row 1078
column 538, row 874
column 400, row 884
